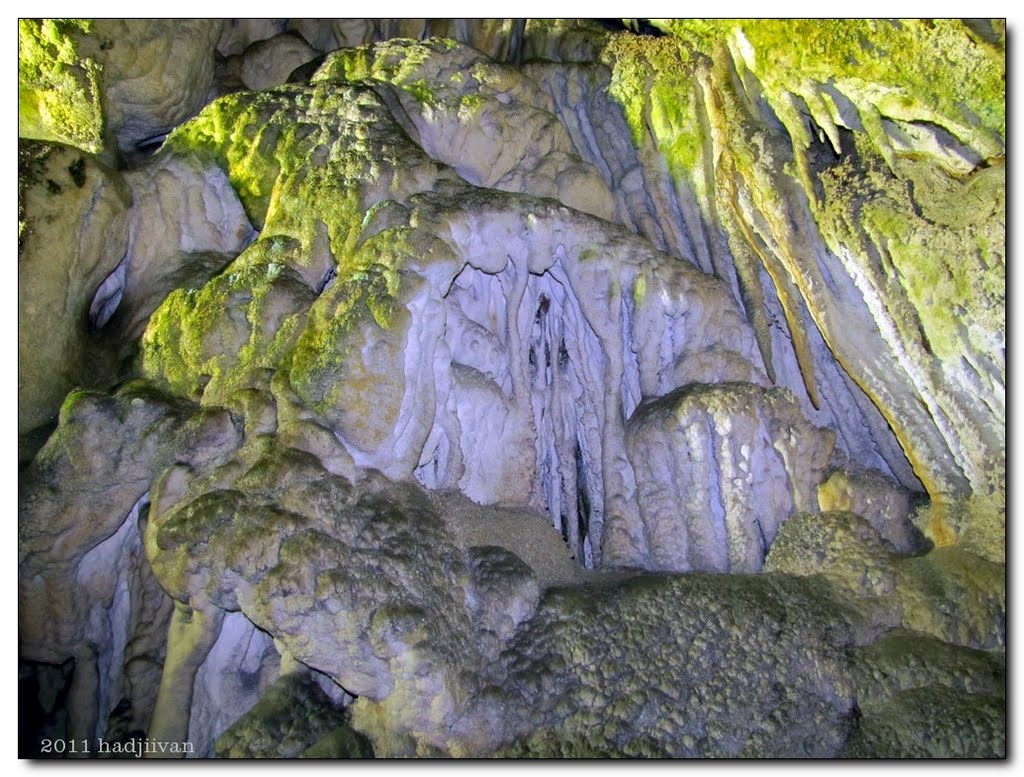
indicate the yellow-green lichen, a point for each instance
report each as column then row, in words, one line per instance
column 940, row 67
column 366, row 294
column 639, row 290
column 322, row 170
column 413, row 68
column 58, row 90
column 300, row 158
column 952, row 278
column 940, row 72
column 205, row 343
column 931, row 723
column 890, row 152
column 652, row 78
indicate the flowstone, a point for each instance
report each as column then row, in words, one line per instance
column 509, row 388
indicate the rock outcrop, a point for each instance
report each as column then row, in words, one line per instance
column 513, row 388
column 72, row 238
column 718, row 470
column 852, row 210
column 118, row 83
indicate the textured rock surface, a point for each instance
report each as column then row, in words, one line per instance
column 85, row 590
column 442, row 372
column 234, row 676
column 950, row 593
column 155, row 73
column 718, row 469
column 238, row 34
column 112, row 82
column 883, row 503
column 268, row 63
column 292, row 717
column 955, row 696
column 932, row 723
column 72, row 234
column 469, row 299
column 921, row 139
column 494, row 128
column 58, row 87
column 185, row 225
column 689, row 666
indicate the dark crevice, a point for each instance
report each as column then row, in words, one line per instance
column 42, row 706
column 151, row 144
column 327, row 280
column 303, row 73
column 822, row 157
column 634, row 26
column 582, row 503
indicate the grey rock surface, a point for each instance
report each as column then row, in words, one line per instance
column 719, row 469
column 268, row 63
column 156, row 73
column 512, row 388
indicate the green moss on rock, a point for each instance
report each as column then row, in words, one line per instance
column 931, row 723
column 293, row 716
column 880, row 143
column 685, row 666
column 943, row 256
column 208, row 342
column 904, row 660
column 937, row 67
column 58, row 90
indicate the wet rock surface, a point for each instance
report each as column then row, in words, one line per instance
column 512, row 388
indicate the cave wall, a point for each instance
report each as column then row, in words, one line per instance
column 373, row 332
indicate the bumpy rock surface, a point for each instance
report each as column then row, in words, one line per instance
column 58, row 88
column 85, row 589
column 448, row 359
column 689, row 666
column 155, row 73
column 855, row 210
column 292, row 718
column 883, row 503
column 117, row 83
column 486, row 323
column 718, row 469
column 954, row 699
column 949, row 593
column 72, row 235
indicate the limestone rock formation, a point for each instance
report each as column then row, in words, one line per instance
column 949, row 593
column 238, row 34
column 744, row 452
column 869, row 494
column 186, row 224
column 72, row 237
column 685, row 666
column 156, row 73
column 547, row 388
column 268, row 63
column 293, row 713
column 133, row 237
column 917, row 141
column 119, row 82
column 58, row 88
column 86, row 590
